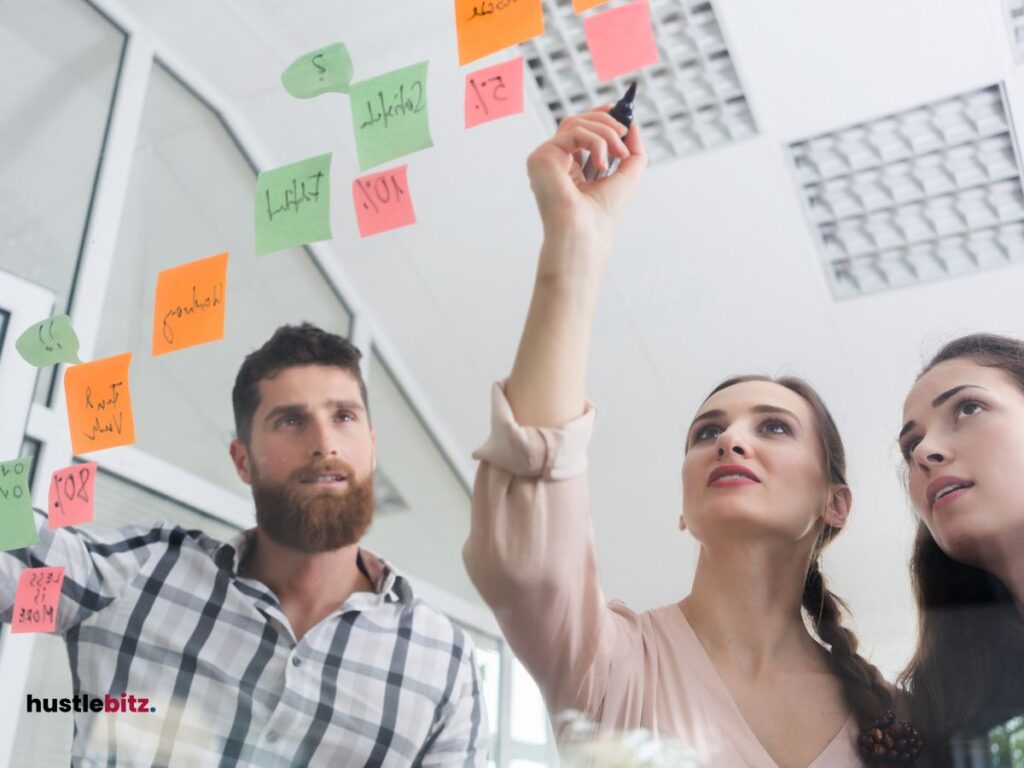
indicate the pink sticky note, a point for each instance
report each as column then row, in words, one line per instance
column 71, row 495
column 621, row 40
column 494, row 92
column 382, row 201
column 35, row 602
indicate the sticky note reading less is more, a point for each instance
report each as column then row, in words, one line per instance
column 494, row 92
column 487, row 26
column 190, row 304
column 325, row 69
column 389, row 115
column 99, row 404
column 71, row 495
column 17, row 523
column 49, row 341
column 36, row 599
column 293, row 205
column 382, row 201
column 621, row 40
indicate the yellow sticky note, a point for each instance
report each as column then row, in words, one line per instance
column 487, row 26
column 190, row 304
column 99, row 404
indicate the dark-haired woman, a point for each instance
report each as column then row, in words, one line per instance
column 963, row 442
column 731, row 670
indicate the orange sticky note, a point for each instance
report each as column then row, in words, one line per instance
column 35, row 601
column 494, row 92
column 486, row 26
column 621, row 40
column 382, row 201
column 71, row 495
column 585, row 5
column 99, row 404
column 190, row 304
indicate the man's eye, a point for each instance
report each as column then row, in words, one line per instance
column 346, row 416
column 289, row 421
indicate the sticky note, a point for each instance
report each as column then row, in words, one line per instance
column 17, row 523
column 49, row 341
column 71, row 495
column 494, row 92
column 293, row 205
column 621, row 40
column 486, row 26
column 389, row 115
column 382, row 201
column 325, row 69
column 99, row 404
column 190, row 304
column 579, row 6
column 36, row 599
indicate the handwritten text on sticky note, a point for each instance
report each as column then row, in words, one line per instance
column 99, row 404
column 190, row 304
column 17, row 523
column 487, row 26
column 35, row 602
column 293, row 205
column 71, row 495
column 49, row 341
column 494, row 92
column 621, row 40
column 325, row 69
column 382, row 201
column 389, row 115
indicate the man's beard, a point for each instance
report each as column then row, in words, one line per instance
column 309, row 520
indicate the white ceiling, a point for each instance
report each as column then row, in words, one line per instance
column 715, row 271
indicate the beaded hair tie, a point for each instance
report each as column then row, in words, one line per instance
column 888, row 742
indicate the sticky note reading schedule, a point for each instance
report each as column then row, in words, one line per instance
column 494, row 92
column 17, row 523
column 382, row 201
column 35, row 602
column 190, row 304
column 71, row 495
column 621, row 40
column 293, row 205
column 99, row 404
column 389, row 115
column 487, row 26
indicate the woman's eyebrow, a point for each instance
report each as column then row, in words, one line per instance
column 939, row 401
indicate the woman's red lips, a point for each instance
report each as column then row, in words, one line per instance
column 734, row 472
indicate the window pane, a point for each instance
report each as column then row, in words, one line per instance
column 60, row 60
column 190, row 196
column 488, row 656
column 529, row 715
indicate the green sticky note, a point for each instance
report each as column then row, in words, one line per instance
column 325, row 69
column 17, row 523
column 49, row 341
column 293, row 205
column 389, row 115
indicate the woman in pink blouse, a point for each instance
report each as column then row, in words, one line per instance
column 731, row 670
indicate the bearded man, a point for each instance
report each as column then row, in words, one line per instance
column 289, row 645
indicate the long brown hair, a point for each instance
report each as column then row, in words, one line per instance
column 865, row 690
column 968, row 670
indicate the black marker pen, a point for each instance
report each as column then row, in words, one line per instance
column 623, row 112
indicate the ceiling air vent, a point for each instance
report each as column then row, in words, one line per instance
column 1015, row 21
column 690, row 101
column 919, row 195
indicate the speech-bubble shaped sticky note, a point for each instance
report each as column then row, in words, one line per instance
column 579, row 6
column 389, row 115
column 71, row 495
column 49, row 341
column 621, row 40
column 486, row 26
column 382, row 201
column 293, row 205
column 17, row 523
column 36, row 599
column 325, row 69
column 99, row 404
column 190, row 304
column 494, row 92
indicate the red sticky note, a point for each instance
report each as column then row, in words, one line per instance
column 621, row 40
column 71, row 495
column 99, row 404
column 382, row 201
column 35, row 602
column 494, row 92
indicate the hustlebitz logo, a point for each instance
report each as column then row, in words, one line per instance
column 83, row 702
